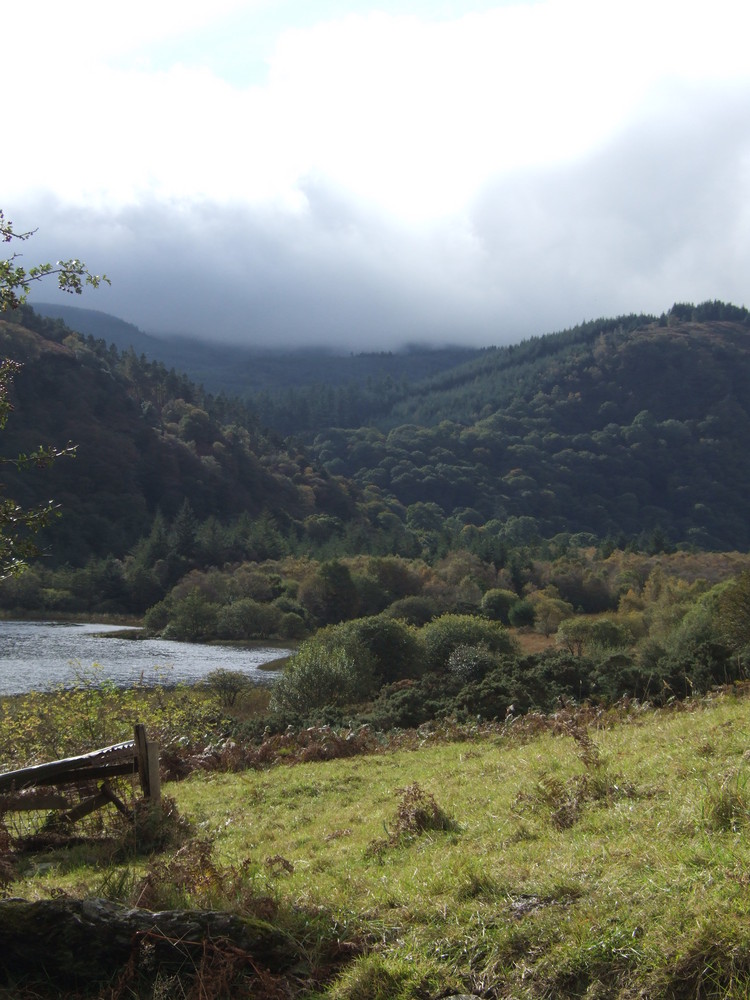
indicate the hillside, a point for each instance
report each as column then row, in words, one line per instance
column 590, row 854
column 630, row 428
column 147, row 439
column 241, row 371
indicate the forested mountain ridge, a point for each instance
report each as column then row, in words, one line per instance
column 629, row 430
column 635, row 428
column 511, row 376
column 148, row 440
column 249, row 370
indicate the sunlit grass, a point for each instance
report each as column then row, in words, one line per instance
column 569, row 867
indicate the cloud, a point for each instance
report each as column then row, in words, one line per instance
column 333, row 274
column 393, row 176
column 657, row 215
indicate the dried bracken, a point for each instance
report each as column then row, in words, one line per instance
column 279, row 864
column 417, row 813
column 565, row 799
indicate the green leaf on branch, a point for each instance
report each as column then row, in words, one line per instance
column 18, row 526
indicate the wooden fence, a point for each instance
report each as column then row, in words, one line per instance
column 47, row 787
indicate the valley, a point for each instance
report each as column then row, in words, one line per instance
column 505, row 759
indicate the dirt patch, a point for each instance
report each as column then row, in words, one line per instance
column 532, row 642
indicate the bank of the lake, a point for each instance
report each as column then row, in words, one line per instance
column 39, row 655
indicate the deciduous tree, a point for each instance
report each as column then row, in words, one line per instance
column 734, row 612
column 18, row 525
column 15, row 280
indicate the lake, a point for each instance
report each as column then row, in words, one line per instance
column 35, row 656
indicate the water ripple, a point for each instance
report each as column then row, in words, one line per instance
column 42, row 655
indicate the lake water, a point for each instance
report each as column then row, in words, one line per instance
column 35, row 656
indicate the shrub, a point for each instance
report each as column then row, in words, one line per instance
column 697, row 657
column 579, row 635
column 610, row 635
column 192, row 618
column 292, row 626
column 733, row 612
column 371, row 597
column 549, row 611
column 413, row 610
column 619, row 674
column 496, row 604
column 247, row 619
column 289, row 605
column 407, row 704
column 582, row 586
column 522, row 615
column 471, row 663
column 329, row 596
column 37, row 727
column 441, row 636
column 319, row 675
column 492, row 696
column 156, row 617
column 553, row 676
column 394, row 647
column 227, row 685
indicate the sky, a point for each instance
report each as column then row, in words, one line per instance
column 367, row 176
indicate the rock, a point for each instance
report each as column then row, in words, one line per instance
column 75, row 941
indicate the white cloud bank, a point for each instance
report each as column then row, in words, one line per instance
column 391, row 177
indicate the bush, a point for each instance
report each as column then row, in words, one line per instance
column 192, row 618
column 329, row 595
column 471, row 663
column 492, row 696
column 289, row 605
column 292, row 626
column 549, row 611
column 696, row 656
column 441, row 636
column 248, row 619
column 407, row 704
column 227, row 685
column 156, row 617
column 556, row 675
column 496, row 604
column 319, row 675
column 607, row 634
column 579, row 635
column 395, row 650
column 413, row 610
column 618, row 674
column 522, row 615
column 696, row 669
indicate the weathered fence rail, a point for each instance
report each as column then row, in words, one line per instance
column 45, row 787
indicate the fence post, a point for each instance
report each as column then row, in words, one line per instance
column 148, row 765
column 154, row 778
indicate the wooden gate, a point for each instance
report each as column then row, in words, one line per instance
column 77, row 786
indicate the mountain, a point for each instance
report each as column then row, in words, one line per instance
column 636, row 427
column 147, row 439
column 244, row 371
column 632, row 429
column 103, row 326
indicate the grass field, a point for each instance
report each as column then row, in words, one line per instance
column 601, row 856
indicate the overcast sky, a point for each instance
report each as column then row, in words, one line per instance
column 369, row 175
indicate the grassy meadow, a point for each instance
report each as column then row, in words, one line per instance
column 595, row 854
